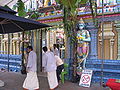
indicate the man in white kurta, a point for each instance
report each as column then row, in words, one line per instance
column 55, row 50
column 49, row 66
column 31, row 81
column 60, row 66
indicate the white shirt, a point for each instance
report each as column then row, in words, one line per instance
column 49, row 62
column 32, row 57
column 56, row 52
column 58, row 60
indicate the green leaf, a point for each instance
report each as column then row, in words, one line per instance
column 21, row 8
column 77, row 2
column 83, row 1
column 58, row 1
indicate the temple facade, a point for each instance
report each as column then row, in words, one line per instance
column 104, row 38
column 55, row 34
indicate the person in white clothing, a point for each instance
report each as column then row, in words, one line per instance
column 49, row 66
column 55, row 50
column 31, row 81
column 60, row 66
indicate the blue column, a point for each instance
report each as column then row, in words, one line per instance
column 69, row 57
column 93, row 44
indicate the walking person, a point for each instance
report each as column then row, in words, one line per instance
column 31, row 81
column 60, row 66
column 55, row 50
column 49, row 66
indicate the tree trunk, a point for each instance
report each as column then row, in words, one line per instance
column 74, row 54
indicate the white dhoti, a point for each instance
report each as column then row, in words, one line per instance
column 31, row 81
column 52, row 79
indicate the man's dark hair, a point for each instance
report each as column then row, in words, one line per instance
column 45, row 48
column 54, row 45
column 30, row 47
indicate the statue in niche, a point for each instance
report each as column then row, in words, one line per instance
column 83, row 38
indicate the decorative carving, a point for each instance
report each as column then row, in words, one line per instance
column 109, row 40
column 83, row 38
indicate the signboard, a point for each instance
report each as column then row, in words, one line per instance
column 85, row 79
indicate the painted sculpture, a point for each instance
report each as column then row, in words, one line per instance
column 49, row 2
column 83, row 37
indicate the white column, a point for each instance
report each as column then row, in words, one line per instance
column 111, row 48
column 18, row 47
column 2, row 44
column 14, row 49
column 4, row 47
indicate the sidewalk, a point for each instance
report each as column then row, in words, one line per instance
column 14, row 81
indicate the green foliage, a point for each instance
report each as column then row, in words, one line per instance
column 83, row 1
column 70, row 22
column 21, row 9
column 34, row 15
column 70, row 15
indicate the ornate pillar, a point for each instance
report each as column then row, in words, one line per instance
column 18, row 46
column 10, row 46
column 14, row 47
column 10, row 43
column 118, row 30
column 2, row 46
column 7, row 47
column 69, row 56
column 111, row 48
column 93, row 44
column 19, row 43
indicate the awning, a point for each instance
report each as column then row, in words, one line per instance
column 10, row 23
